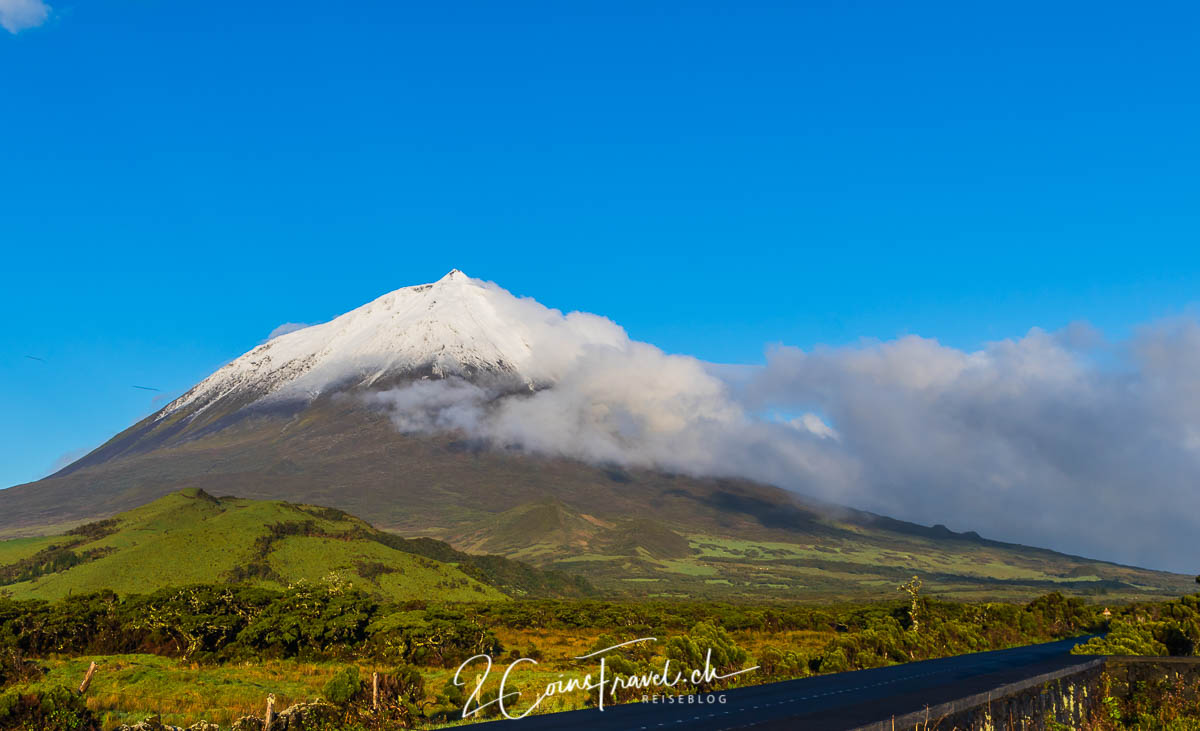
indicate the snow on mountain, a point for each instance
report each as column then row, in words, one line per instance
column 456, row 326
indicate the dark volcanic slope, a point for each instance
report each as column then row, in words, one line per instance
column 339, row 454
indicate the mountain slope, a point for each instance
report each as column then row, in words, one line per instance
column 191, row 537
column 630, row 532
column 294, row 420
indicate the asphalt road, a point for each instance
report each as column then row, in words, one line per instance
column 821, row 703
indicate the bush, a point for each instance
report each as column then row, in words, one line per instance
column 15, row 668
column 1170, row 628
column 834, row 661
column 343, row 687
column 401, row 691
column 1123, row 638
column 310, row 621
column 778, row 664
column 432, row 636
column 707, row 643
column 448, row 703
column 56, row 709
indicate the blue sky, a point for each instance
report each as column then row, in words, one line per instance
column 178, row 178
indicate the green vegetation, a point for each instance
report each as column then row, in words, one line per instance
column 217, row 624
column 56, row 557
column 195, row 607
column 1166, row 704
column 1167, row 628
column 215, row 652
column 264, row 543
column 825, row 559
column 272, row 544
column 52, row 708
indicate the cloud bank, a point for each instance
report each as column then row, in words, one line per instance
column 19, row 15
column 1059, row 440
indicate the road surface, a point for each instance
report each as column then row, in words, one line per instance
column 820, row 703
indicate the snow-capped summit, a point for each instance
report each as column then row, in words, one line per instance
column 456, row 326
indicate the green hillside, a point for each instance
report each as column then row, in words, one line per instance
column 190, row 537
column 834, row 558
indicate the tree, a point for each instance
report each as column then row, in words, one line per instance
column 706, row 643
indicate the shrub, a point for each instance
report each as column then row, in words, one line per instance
column 401, row 691
column 433, row 636
column 782, row 664
column 55, row 709
column 14, row 667
column 343, row 687
column 834, row 661
column 310, row 621
column 709, row 643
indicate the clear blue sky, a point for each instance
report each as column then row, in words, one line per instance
column 177, row 178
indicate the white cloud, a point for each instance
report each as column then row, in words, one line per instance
column 610, row 399
column 1059, row 440
column 628, row 403
column 1093, row 449
column 19, row 15
column 813, row 424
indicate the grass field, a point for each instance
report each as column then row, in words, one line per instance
column 130, row 688
column 18, row 548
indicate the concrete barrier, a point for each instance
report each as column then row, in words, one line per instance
column 1065, row 694
column 1063, row 697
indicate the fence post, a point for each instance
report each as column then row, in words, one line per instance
column 375, row 690
column 87, row 679
column 270, row 712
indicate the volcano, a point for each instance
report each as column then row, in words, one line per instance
column 414, row 412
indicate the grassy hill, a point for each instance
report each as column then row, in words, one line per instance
column 190, row 537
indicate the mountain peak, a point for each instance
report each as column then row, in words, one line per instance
column 456, row 326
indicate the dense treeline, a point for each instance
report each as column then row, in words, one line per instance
column 1052, row 615
column 1165, row 628
column 214, row 624
column 514, row 578
column 217, row 623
